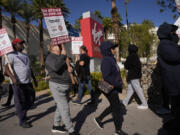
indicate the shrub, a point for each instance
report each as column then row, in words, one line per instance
column 96, row 78
column 42, row 85
column 39, row 77
column 6, row 81
column 35, row 65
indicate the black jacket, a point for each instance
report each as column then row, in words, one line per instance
column 133, row 64
column 57, row 68
column 109, row 68
column 84, row 71
column 169, row 59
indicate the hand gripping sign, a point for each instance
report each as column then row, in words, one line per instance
column 5, row 45
column 57, row 29
column 56, row 26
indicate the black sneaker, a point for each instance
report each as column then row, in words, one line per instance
column 120, row 132
column 58, row 129
column 91, row 103
column 98, row 123
column 76, row 102
column 6, row 104
column 74, row 133
column 26, row 125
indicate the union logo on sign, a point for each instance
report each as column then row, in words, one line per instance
column 60, row 27
column 4, row 42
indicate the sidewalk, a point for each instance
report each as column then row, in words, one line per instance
column 136, row 122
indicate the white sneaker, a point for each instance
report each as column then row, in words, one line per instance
column 122, row 101
column 143, row 107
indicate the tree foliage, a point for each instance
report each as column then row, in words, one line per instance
column 13, row 7
column 77, row 25
column 140, row 35
column 26, row 12
column 168, row 4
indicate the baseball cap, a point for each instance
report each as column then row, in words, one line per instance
column 17, row 40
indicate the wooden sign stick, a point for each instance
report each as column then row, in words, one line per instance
column 68, row 64
column 9, row 65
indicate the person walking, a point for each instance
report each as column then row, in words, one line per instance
column 111, row 74
column 59, row 68
column 169, row 59
column 133, row 65
column 24, row 94
column 84, row 76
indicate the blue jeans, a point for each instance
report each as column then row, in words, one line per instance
column 80, row 89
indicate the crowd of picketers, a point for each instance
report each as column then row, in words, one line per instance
column 61, row 69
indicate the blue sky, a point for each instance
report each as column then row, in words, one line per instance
column 138, row 10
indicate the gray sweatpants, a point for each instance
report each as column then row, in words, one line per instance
column 134, row 86
column 60, row 94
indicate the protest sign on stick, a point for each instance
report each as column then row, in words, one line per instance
column 5, row 46
column 57, row 29
column 56, row 26
column 77, row 42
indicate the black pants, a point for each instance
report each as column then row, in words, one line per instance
column 175, row 107
column 24, row 97
column 10, row 94
column 114, row 109
column 166, row 98
column 172, row 126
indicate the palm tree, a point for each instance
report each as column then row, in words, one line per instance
column 59, row 4
column 107, row 26
column 115, row 21
column 126, row 2
column 13, row 7
column 27, row 14
column 77, row 26
column 98, row 14
column 37, row 5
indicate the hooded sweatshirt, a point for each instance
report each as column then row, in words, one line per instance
column 109, row 68
column 169, row 58
column 133, row 64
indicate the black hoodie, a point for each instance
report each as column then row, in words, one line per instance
column 133, row 64
column 109, row 68
column 169, row 58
